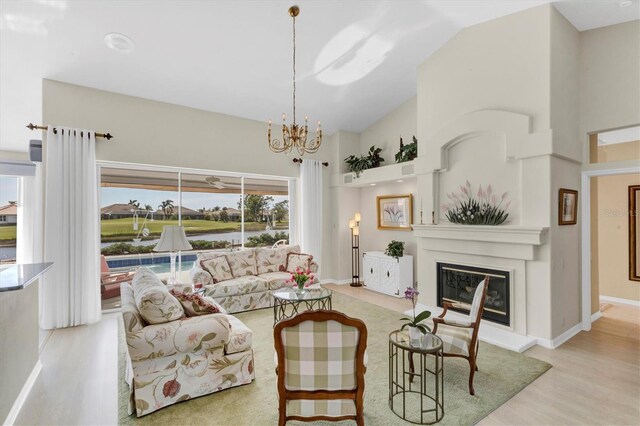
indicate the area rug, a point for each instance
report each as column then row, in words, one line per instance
column 502, row 374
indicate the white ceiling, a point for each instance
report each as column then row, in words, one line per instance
column 356, row 59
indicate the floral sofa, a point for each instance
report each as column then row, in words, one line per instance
column 244, row 280
column 171, row 357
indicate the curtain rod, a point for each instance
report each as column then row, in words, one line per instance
column 299, row 160
column 107, row 136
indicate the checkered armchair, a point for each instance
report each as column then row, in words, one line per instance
column 460, row 336
column 321, row 366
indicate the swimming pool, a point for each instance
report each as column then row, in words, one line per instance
column 158, row 264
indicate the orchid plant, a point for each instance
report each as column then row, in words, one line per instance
column 412, row 294
column 483, row 208
column 301, row 278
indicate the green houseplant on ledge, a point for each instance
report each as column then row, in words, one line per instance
column 407, row 152
column 395, row 249
column 359, row 163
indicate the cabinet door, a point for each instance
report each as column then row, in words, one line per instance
column 371, row 272
column 389, row 276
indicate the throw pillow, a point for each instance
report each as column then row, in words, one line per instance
column 243, row 262
column 153, row 300
column 271, row 259
column 195, row 304
column 298, row 261
column 218, row 267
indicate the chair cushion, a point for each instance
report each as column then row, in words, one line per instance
column 243, row 262
column 320, row 356
column 153, row 300
column 455, row 340
column 133, row 321
column 243, row 285
column 327, row 407
column 298, row 261
column 195, row 304
column 276, row 279
column 218, row 267
column 240, row 336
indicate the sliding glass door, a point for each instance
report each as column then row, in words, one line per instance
column 218, row 211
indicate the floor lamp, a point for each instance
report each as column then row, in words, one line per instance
column 354, row 225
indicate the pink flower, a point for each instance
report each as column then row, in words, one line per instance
column 194, row 337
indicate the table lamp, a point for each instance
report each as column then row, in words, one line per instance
column 172, row 240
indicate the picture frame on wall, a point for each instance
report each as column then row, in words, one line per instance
column 395, row 212
column 567, row 207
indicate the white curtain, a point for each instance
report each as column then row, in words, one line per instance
column 294, row 209
column 311, row 208
column 29, row 232
column 70, row 292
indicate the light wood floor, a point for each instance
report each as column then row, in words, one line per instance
column 595, row 377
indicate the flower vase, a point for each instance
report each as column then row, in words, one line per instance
column 414, row 336
column 300, row 290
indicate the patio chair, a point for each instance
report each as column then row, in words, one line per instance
column 460, row 336
column 110, row 281
column 320, row 366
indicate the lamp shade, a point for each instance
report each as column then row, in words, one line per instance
column 358, row 217
column 352, row 224
column 356, row 230
column 173, row 238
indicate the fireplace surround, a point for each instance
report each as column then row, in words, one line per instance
column 457, row 283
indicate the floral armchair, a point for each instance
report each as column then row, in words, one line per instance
column 182, row 359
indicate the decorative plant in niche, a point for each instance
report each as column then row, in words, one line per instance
column 363, row 162
column 395, row 249
column 485, row 208
column 407, row 152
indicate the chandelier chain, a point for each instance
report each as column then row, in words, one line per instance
column 294, row 70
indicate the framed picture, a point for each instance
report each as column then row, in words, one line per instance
column 634, row 232
column 568, row 207
column 395, row 212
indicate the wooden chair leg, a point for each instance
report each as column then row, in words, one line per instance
column 472, row 371
column 282, row 414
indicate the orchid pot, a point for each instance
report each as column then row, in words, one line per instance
column 416, row 329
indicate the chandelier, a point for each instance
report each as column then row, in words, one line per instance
column 295, row 135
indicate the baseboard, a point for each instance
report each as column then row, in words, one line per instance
column 595, row 317
column 22, row 396
column 620, row 300
column 336, row 282
column 558, row 341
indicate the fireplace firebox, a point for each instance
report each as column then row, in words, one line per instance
column 457, row 283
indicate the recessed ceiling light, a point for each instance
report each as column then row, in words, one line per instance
column 399, row 181
column 625, row 3
column 119, row 42
column 372, row 184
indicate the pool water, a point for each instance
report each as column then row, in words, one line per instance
column 159, row 268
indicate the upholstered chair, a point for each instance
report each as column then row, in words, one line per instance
column 460, row 336
column 320, row 366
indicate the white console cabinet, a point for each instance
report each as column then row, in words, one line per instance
column 386, row 274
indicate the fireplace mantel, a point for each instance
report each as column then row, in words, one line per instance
column 508, row 241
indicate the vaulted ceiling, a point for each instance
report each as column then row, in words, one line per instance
column 356, row 60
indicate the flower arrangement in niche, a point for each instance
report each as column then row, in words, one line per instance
column 301, row 279
column 483, row 208
column 414, row 323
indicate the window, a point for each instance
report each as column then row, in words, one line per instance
column 136, row 204
column 8, row 218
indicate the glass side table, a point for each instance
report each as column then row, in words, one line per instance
column 287, row 302
column 421, row 402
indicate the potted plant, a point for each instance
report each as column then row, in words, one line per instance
column 359, row 163
column 407, row 152
column 415, row 328
column 395, row 249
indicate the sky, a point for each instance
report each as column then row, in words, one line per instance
column 192, row 200
column 8, row 189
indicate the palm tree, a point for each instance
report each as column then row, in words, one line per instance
column 166, row 207
column 134, row 203
column 148, row 207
